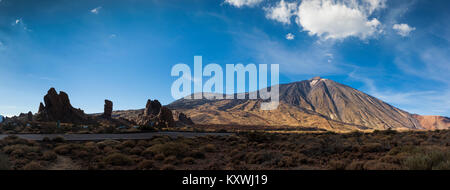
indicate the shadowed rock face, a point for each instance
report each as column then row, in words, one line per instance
column 30, row 116
column 317, row 102
column 58, row 108
column 156, row 115
column 108, row 109
column 181, row 118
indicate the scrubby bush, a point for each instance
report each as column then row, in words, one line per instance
column 197, row 154
column 428, row 160
column 171, row 160
column 168, row 167
column 189, row 160
column 209, row 148
column 4, row 162
column 118, row 159
column 372, row 147
column 170, row 148
column 145, row 165
column 49, row 156
column 63, row 149
column 33, row 165
column 378, row 165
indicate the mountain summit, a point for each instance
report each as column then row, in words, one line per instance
column 318, row 102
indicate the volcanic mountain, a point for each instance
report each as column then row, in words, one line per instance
column 318, row 103
column 433, row 122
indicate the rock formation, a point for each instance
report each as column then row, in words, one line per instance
column 181, row 118
column 108, row 109
column 58, row 108
column 30, row 116
column 156, row 115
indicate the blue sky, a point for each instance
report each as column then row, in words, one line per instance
column 395, row 50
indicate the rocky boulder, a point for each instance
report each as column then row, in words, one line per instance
column 30, row 116
column 156, row 115
column 181, row 118
column 108, row 109
column 58, row 108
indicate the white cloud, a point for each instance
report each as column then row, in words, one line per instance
column 372, row 5
column 403, row 29
column 292, row 60
column 241, row 3
column 290, row 36
column 339, row 19
column 17, row 21
column 96, row 10
column 282, row 12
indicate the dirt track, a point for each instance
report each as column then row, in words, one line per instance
column 94, row 137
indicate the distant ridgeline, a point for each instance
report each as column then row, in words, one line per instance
column 1, row 118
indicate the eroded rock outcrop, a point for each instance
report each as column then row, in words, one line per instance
column 58, row 108
column 107, row 113
column 181, row 118
column 30, row 116
column 156, row 115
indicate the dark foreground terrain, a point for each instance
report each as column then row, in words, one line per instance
column 381, row 150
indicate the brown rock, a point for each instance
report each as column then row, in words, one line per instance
column 108, row 109
column 152, row 108
column 156, row 115
column 181, row 118
column 41, row 107
column 58, row 108
column 30, row 116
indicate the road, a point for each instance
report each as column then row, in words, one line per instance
column 96, row 137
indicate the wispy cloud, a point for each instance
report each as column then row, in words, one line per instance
column 242, row 3
column 403, row 29
column 290, row 36
column 298, row 61
column 96, row 10
column 282, row 12
column 21, row 24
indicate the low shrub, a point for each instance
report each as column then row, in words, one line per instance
column 170, row 148
column 118, row 159
column 49, row 156
column 145, row 165
column 428, row 160
column 33, row 165
column 4, row 162
column 189, row 160
column 209, row 148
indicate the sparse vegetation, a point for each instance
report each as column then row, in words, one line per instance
column 382, row 150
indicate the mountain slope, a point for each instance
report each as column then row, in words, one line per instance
column 317, row 103
column 432, row 122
